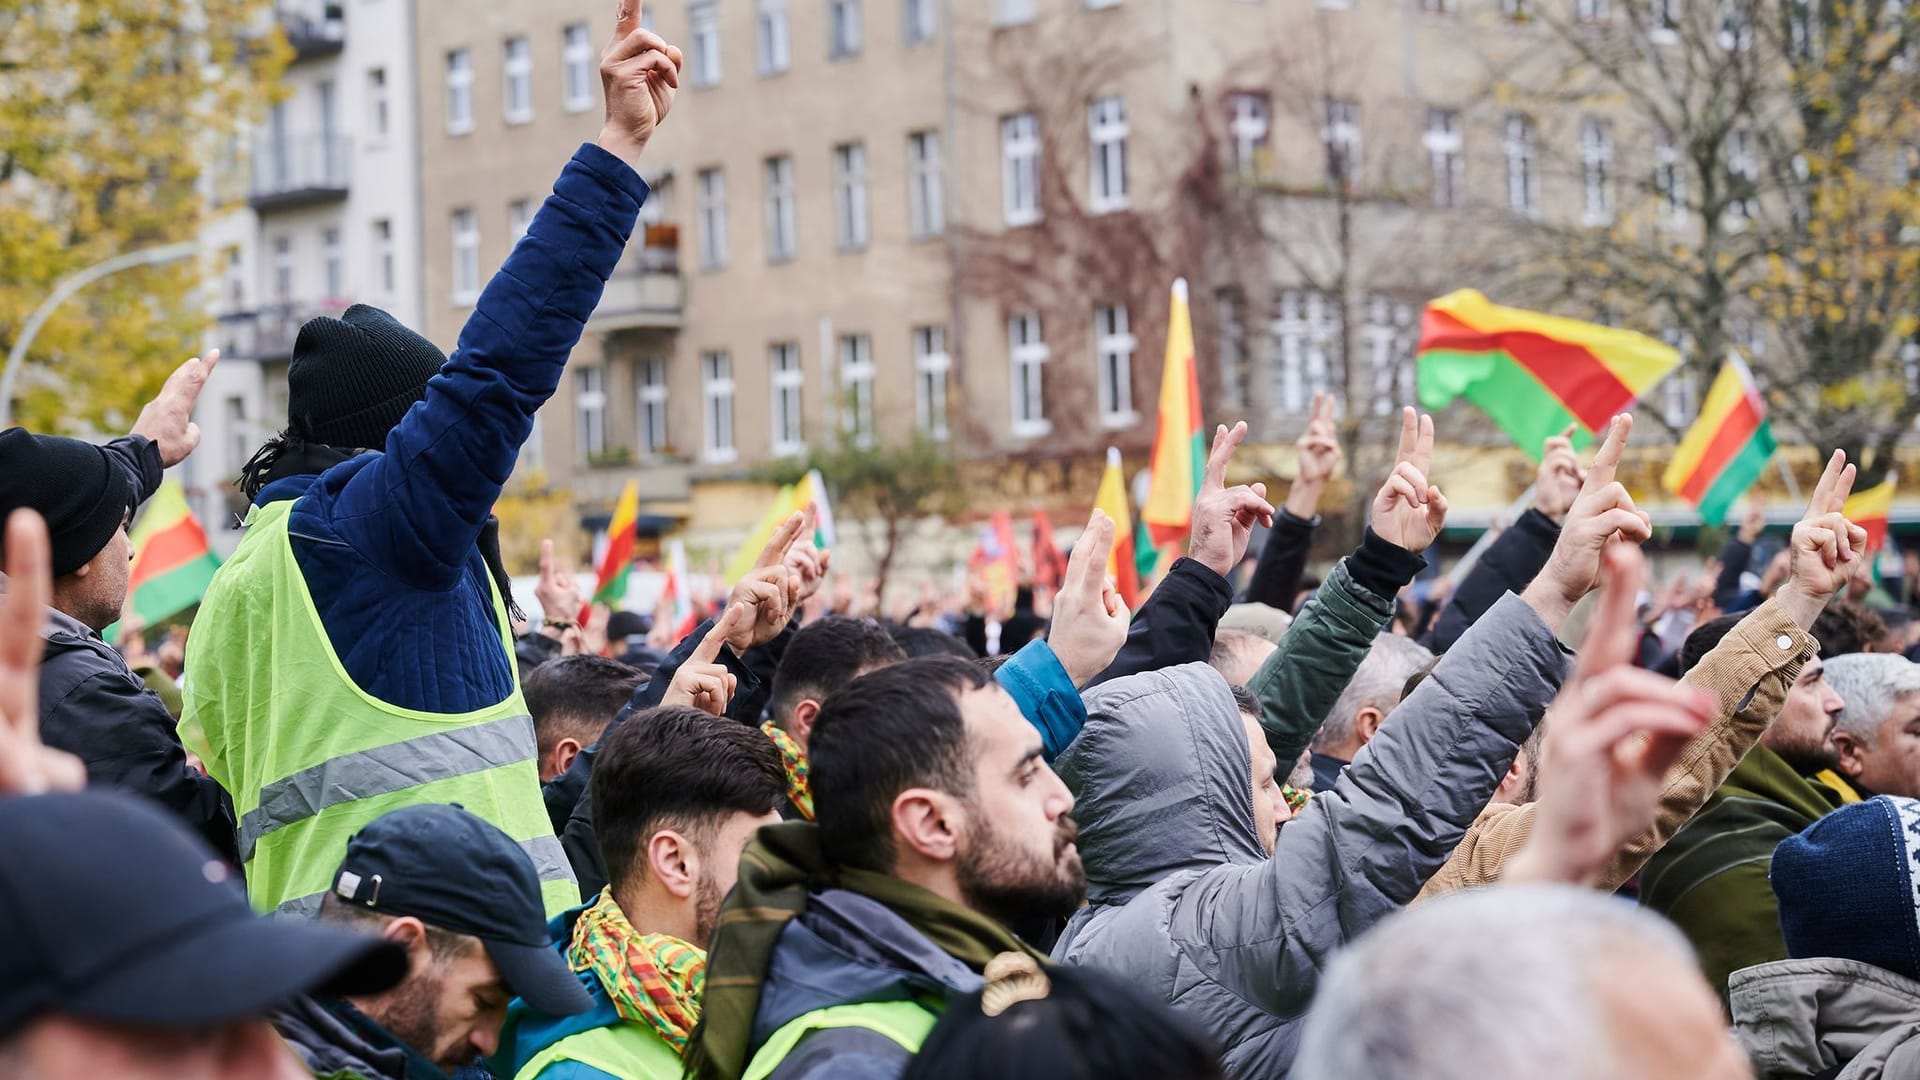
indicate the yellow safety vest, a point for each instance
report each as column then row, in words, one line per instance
column 905, row 1022
column 629, row 1050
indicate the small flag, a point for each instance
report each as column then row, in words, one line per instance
column 1533, row 374
column 1121, row 564
column 172, row 563
column 1049, row 562
column 623, row 534
column 678, row 594
column 1180, row 444
column 998, row 561
column 1870, row 510
column 1726, row 449
column 814, row 490
column 756, row 539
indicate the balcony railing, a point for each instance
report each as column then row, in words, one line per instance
column 269, row 333
column 292, row 172
column 314, row 30
column 646, row 290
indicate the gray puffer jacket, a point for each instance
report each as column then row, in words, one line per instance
column 1183, row 897
column 1827, row 1018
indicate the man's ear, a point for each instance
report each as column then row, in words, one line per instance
column 564, row 752
column 928, row 823
column 411, row 934
column 1366, row 723
column 804, row 714
column 1514, row 782
column 1852, row 752
column 672, row 862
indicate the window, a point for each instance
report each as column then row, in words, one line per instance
column 1743, row 169
column 590, row 409
column 1663, row 22
column 1444, row 156
column 703, row 30
column 843, row 28
column 931, row 368
column 1388, row 338
column 653, row 405
column 918, row 21
column 1250, row 125
column 1523, row 172
column 466, row 256
column 283, row 270
column 379, row 106
column 1335, row 5
column 519, row 218
column 788, row 428
column 1096, row 5
column 1596, row 12
column 781, row 228
column 1342, row 139
column 577, row 67
column 518, row 78
column 1027, row 348
column 1516, row 10
column 1113, row 353
column 773, row 47
column 1236, row 367
column 716, row 395
column 850, row 196
column 1670, row 182
column 1020, row 168
column 1439, row 7
column 1107, row 128
column 459, row 92
column 1011, row 12
column 1596, row 171
column 710, row 195
column 333, row 262
column 239, row 438
column 926, row 211
column 1304, row 330
column 383, row 268
column 856, row 387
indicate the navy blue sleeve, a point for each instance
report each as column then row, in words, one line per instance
column 1508, row 565
column 1282, row 561
column 1177, row 623
column 417, row 512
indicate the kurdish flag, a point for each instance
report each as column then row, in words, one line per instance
column 1113, row 499
column 1533, row 374
column 610, row 583
column 1726, row 449
column 789, row 500
column 1180, row 445
column 1870, row 509
column 171, row 561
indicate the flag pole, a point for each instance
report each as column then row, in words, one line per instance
column 1786, row 477
column 1479, row 548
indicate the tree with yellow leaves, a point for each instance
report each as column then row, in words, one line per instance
column 112, row 115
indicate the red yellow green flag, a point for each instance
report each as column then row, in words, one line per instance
column 1870, row 510
column 1113, row 499
column 1533, row 374
column 1180, row 444
column 610, row 583
column 1726, row 449
column 789, row 500
column 172, row 563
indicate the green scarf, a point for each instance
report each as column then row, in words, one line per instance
column 776, row 871
column 653, row 979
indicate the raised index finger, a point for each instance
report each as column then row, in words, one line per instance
column 783, row 537
column 1823, row 491
column 1409, row 434
column 1225, row 441
column 29, row 594
column 1607, row 460
column 709, row 648
column 626, row 19
column 1611, row 634
column 1423, row 446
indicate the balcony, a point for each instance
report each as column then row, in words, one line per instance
column 646, row 290
column 314, row 30
column 290, row 173
column 269, row 333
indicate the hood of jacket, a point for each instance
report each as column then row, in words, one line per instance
column 1163, row 776
column 1800, row 1018
column 332, row 1044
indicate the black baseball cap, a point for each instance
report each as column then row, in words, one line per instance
column 455, row 872
column 112, row 911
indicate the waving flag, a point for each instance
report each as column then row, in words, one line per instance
column 1113, row 499
column 1180, row 444
column 1049, row 562
column 1726, row 449
column 623, row 534
column 1870, row 510
column 172, row 563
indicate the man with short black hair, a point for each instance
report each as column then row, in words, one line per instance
column 677, row 793
column 572, row 700
column 823, row 658
column 464, row 901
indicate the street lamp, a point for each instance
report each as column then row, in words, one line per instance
column 67, row 286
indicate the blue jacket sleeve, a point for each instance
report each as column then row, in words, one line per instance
column 417, row 512
column 1177, row 623
column 1045, row 694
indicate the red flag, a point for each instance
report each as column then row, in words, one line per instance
column 1049, row 562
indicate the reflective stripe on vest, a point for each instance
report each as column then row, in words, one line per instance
column 629, row 1050
column 905, row 1022
column 311, row 758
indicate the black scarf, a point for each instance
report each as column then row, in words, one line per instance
column 288, row 455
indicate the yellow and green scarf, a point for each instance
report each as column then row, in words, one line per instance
column 653, row 979
column 794, row 761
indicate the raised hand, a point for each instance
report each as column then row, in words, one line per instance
column 1089, row 618
column 808, row 565
column 167, row 420
column 1557, row 484
column 557, row 592
column 1223, row 517
column 1408, row 512
column 1615, row 732
column 1320, row 457
column 28, row 766
column 640, row 73
column 1826, row 549
column 769, row 589
column 1603, row 514
column 1755, row 521
column 703, row 682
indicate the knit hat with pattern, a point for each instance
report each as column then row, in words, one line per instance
column 1849, row 886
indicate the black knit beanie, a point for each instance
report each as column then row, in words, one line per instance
column 83, row 495
column 352, row 378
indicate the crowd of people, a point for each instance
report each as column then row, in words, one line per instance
column 1359, row 825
